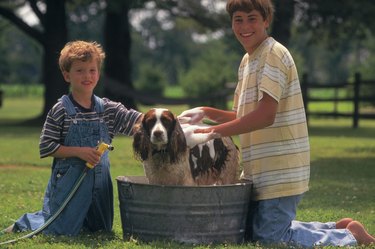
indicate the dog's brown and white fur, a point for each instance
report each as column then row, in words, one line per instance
column 161, row 144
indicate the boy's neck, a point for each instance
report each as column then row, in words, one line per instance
column 83, row 100
column 251, row 51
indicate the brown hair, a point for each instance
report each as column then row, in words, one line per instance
column 80, row 50
column 265, row 7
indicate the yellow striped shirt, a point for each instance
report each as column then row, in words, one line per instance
column 277, row 158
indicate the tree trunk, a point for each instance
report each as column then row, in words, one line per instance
column 282, row 23
column 55, row 37
column 117, row 42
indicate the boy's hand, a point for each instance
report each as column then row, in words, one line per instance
column 89, row 155
column 196, row 135
column 191, row 116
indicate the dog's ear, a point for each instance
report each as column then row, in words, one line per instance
column 177, row 144
column 141, row 142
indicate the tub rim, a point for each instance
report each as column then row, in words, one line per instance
column 144, row 182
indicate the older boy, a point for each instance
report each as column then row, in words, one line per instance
column 269, row 116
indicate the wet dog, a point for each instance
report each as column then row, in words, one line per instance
column 172, row 154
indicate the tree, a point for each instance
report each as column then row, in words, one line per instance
column 334, row 20
column 281, row 27
column 334, row 33
column 210, row 72
column 51, row 35
column 337, row 20
column 117, row 46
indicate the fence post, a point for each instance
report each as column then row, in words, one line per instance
column 304, row 88
column 1, row 98
column 357, row 83
column 335, row 102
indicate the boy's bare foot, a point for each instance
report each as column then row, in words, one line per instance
column 9, row 229
column 360, row 233
column 343, row 223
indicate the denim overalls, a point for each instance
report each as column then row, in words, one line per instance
column 91, row 207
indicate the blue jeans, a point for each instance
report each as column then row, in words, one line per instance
column 272, row 222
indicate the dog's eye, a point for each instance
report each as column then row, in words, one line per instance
column 149, row 123
column 167, row 122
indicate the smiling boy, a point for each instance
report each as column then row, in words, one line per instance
column 269, row 117
column 70, row 135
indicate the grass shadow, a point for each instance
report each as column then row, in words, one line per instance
column 32, row 122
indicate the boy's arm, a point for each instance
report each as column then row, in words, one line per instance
column 124, row 119
column 219, row 116
column 50, row 139
column 87, row 154
column 263, row 116
column 195, row 115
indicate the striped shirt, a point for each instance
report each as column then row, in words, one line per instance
column 277, row 158
column 117, row 117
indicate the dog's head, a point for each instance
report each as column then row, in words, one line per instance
column 159, row 132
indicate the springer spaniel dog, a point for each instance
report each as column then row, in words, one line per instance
column 172, row 154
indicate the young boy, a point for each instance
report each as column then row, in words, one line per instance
column 70, row 134
column 269, row 116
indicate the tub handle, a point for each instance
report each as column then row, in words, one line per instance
column 128, row 190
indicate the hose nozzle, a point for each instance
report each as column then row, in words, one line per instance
column 102, row 147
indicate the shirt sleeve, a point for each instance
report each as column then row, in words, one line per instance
column 273, row 78
column 51, row 135
column 124, row 119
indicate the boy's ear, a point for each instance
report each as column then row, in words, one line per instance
column 66, row 76
column 267, row 23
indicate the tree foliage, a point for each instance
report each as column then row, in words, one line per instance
column 210, row 71
column 189, row 40
column 18, row 52
column 51, row 34
column 336, row 21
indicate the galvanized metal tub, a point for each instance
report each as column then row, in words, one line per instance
column 186, row 214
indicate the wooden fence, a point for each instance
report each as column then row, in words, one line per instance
column 219, row 99
column 355, row 94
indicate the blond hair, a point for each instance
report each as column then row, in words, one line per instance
column 80, row 50
column 265, row 7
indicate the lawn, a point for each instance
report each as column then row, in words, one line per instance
column 342, row 177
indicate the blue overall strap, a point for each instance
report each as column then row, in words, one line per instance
column 69, row 107
column 99, row 104
column 71, row 110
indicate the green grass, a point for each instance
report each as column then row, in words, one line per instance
column 21, row 90
column 342, row 177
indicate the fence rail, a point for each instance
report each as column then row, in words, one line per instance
column 357, row 98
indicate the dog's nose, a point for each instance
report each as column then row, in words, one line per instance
column 158, row 134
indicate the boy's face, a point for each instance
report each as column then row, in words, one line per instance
column 249, row 28
column 83, row 76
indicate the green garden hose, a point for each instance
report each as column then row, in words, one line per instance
column 53, row 217
column 102, row 147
